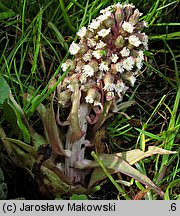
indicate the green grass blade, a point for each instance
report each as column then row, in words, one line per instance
column 66, row 16
column 59, row 36
column 6, row 15
column 150, row 135
column 121, row 191
column 37, row 40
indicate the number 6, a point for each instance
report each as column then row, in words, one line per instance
column 173, row 207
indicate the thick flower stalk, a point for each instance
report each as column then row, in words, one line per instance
column 107, row 60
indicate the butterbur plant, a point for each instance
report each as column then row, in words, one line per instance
column 107, row 60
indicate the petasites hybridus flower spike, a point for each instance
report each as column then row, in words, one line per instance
column 110, row 46
column 107, row 58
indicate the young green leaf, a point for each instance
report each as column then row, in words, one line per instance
column 4, row 90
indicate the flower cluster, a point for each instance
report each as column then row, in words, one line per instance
column 108, row 56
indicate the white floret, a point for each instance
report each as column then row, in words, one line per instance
column 64, row 66
column 125, row 52
column 88, row 70
column 128, row 27
column 82, row 32
column 100, row 45
column 94, row 24
column 119, row 67
column 74, row 48
column 114, row 58
column 109, row 87
column 103, row 66
column 104, row 32
column 134, row 40
column 128, row 63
